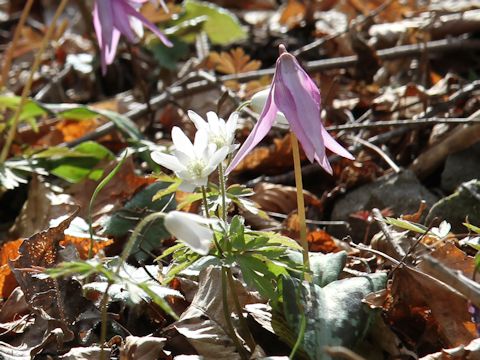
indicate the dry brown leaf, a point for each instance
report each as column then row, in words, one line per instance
column 112, row 197
column 143, row 348
column 293, row 13
column 42, row 205
column 281, row 198
column 233, row 62
column 268, row 159
column 8, row 251
column 157, row 14
column 426, row 313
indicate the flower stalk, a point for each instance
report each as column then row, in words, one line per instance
column 301, row 206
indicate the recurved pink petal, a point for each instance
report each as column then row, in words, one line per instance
column 259, row 131
column 121, row 11
column 131, row 11
column 332, row 145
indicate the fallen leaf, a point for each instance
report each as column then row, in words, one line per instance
column 427, row 314
column 143, row 348
column 233, row 62
column 292, row 14
column 270, row 159
column 281, row 198
column 8, row 251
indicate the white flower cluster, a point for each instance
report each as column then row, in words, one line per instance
column 193, row 163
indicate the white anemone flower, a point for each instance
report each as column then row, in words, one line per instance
column 192, row 163
column 191, row 229
column 220, row 132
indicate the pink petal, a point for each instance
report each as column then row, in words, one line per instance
column 323, row 161
column 261, row 128
column 334, row 146
column 107, row 36
column 298, row 99
column 132, row 12
column 121, row 11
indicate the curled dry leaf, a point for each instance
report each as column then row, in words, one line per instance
column 427, row 314
column 203, row 323
column 281, row 198
column 143, row 348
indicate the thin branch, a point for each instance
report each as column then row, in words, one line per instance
column 379, row 151
column 182, row 89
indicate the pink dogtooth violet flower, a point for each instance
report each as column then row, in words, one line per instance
column 295, row 95
column 111, row 18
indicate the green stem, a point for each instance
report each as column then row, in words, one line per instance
column 301, row 206
column 207, row 215
column 28, row 86
column 228, row 318
column 223, row 190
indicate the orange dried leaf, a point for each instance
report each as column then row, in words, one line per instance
column 83, row 244
column 321, row 241
column 233, row 62
column 8, row 251
column 293, row 13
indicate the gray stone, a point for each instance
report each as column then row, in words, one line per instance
column 460, row 167
column 456, row 207
column 401, row 192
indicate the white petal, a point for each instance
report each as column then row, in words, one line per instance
column 168, row 161
column 182, row 142
column 197, row 120
column 232, row 123
column 187, row 186
column 200, row 143
column 213, row 122
column 190, row 229
column 217, row 158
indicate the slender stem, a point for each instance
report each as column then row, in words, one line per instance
column 301, row 205
column 9, row 54
column 207, row 215
column 28, row 86
column 104, row 319
column 223, row 192
column 228, row 317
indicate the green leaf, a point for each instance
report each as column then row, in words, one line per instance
column 257, row 275
column 472, row 227
column 168, row 57
column 407, row 225
column 275, row 238
column 76, row 164
column 123, row 221
column 335, row 314
column 221, row 26
column 237, row 233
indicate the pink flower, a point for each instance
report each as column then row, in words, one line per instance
column 111, row 18
column 294, row 94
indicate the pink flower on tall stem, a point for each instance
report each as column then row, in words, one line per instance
column 111, row 18
column 294, row 94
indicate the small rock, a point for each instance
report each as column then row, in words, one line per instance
column 460, row 167
column 401, row 192
column 456, row 207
